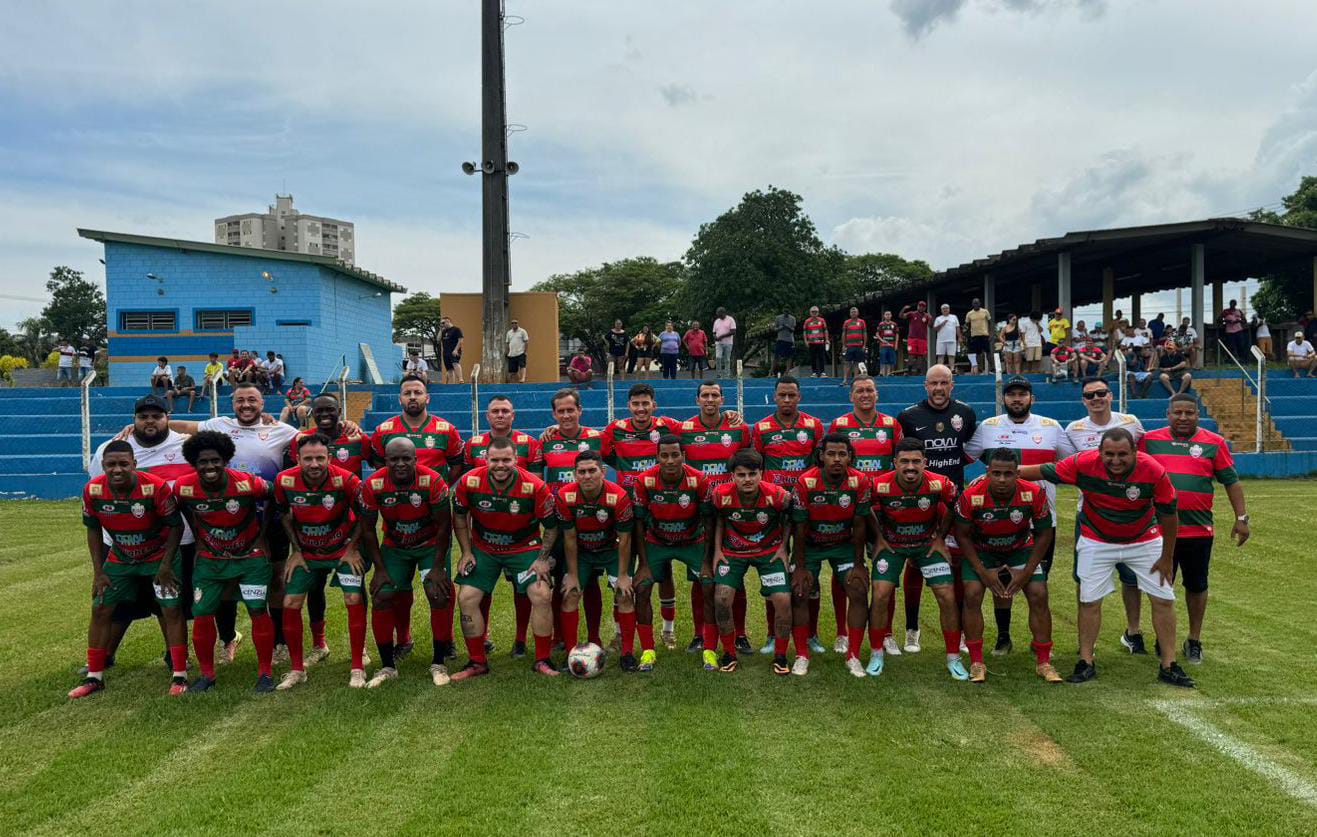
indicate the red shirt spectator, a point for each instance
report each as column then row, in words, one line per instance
column 696, row 342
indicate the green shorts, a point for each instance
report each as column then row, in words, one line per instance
column 126, row 580
column 314, row 574
column 484, row 575
column 660, row 559
column 402, row 565
column 772, row 575
column 841, row 558
column 212, row 575
column 888, row 565
column 591, row 565
column 1015, row 560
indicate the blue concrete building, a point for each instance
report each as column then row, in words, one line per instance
column 186, row 299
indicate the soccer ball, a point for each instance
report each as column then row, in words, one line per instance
column 586, row 660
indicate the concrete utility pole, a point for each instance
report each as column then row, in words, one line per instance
column 494, row 170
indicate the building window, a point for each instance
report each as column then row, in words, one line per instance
column 222, row 320
column 148, row 321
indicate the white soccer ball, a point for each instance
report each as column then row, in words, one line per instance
column 586, row 660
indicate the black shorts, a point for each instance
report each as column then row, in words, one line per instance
column 784, row 348
column 1192, row 558
column 855, row 354
column 980, row 343
column 515, row 363
column 451, row 361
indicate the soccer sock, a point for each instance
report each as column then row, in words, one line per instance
column 402, row 615
column 1003, row 617
column 226, row 621
column 277, row 619
column 1042, row 652
column 876, row 637
column 711, row 636
column 357, row 633
column 292, row 621
column 668, row 610
column 475, row 649
column 381, row 626
column 839, row 604
column 521, row 602
column 780, row 644
column 800, row 633
column 913, row 581
column 96, row 663
column 593, row 601
column 729, row 644
column 975, row 647
column 443, row 627
column 543, row 646
column 697, row 607
column 178, row 657
column 854, row 639
column 951, row 639
column 738, row 612
column 263, row 640
column 646, row 632
column 203, row 643
column 571, row 627
column 318, row 634
column 814, row 602
column 628, row 623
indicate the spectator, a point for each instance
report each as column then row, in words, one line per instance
column 297, row 402
column 1157, row 328
column 616, row 340
column 1175, row 369
column 916, row 335
column 816, row 341
column 183, row 385
column 415, row 366
column 1092, row 360
column 854, row 335
column 1232, row 323
column 1079, row 335
column 724, row 335
column 1099, row 335
column 1139, row 339
column 1058, row 328
column 86, row 358
column 888, row 336
column 240, row 369
column 1186, row 340
column 213, row 372
column 162, row 376
column 450, row 352
column 669, row 347
column 274, row 370
column 1119, row 324
column 1063, row 361
column 581, row 370
column 1032, row 330
column 785, row 346
column 517, row 338
column 642, row 347
column 1137, row 374
column 1300, row 355
column 946, row 329
column 68, row 363
column 1012, row 344
column 696, row 342
column 978, row 323
column 1262, row 335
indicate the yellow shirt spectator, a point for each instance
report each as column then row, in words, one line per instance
column 1058, row 326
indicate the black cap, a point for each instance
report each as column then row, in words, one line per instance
column 1018, row 381
column 150, row 402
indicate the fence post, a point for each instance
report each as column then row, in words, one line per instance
column 996, row 389
column 475, row 399
column 86, row 418
column 611, row 369
column 740, row 387
column 1120, row 372
column 214, row 397
column 1262, row 398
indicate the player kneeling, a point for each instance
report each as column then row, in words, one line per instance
column 1004, row 527
column 830, row 506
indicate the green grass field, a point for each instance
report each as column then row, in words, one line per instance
column 679, row 750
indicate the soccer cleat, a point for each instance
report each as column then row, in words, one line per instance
column 964, row 648
column 545, row 667
column 978, row 673
column 439, row 674
column 291, row 679
column 1175, row 676
column 670, row 640
column 840, row 645
column 957, row 669
column 469, row 671
column 628, row 662
column 875, row 666
column 743, row 645
column 518, row 650
column 202, row 684
column 402, row 651
column 780, row 666
column 318, row 654
column 489, row 646
column 647, row 660
column 890, row 647
column 177, row 686
column 264, row 684
column 365, row 658
column 710, row 660
column 1193, row 651
column 800, row 666
column 1003, row 646
column 280, row 655
column 816, row 646
column 357, row 678
column 88, row 686
column 770, row 647
column 697, row 644
column 1133, row 643
column 381, row 676
column 229, row 650
column 727, row 663
column 1084, row 672
column 1048, row 672
column 912, row 645
column 854, row 666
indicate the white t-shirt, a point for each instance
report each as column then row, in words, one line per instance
column 1032, row 333
column 164, row 460
column 517, row 340
column 418, row 366
column 723, row 328
column 162, row 372
column 1263, row 329
column 66, row 355
column 946, row 326
column 259, row 449
column 84, row 360
column 1085, row 434
column 1302, row 349
column 1037, row 439
column 275, row 366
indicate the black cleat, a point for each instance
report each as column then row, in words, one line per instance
column 780, row 666
column 1175, row 676
column 402, row 651
column 518, row 650
column 628, row 663
column 1193, row 651
column 696, row 646
column 727, row 662
column 489, row 646
column 201, row 684
column 264, row 684
column 743, row 645
column 1084, row 672
column 1133, row 643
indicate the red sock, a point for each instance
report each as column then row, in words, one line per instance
column 293, row 636
column 769, row 615
column 839, row 604
column 814, row 603
column 780, row 645
column 178, row 656
column 203, row 644
column 475, row 649
column 318, row 634
column 975, row 647
column 96, row 660
column 729, row 644
column 876, row 637
column 263, row 640
column 697, row 607
column 521, row 602
column 357, row 633
column 951, row 639
column 854, row 639
column 801, row 635
column 646, row 631
column 628, row 623
column 484, row 610
column 593, row 601
column 668, row 609
column 543, row 646
column 738, row 612
column 711, row 636
column 1042, row 651
column 402, row 616
column 441, row 623
column 381, row 624
column 571, row 627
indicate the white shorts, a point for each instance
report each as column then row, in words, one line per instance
column 946, row 347
column 1095, row 563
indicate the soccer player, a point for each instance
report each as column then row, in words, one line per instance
column 669, row 511
column 315, row 502
column 1129, row 517
column 414, row 502
column 137, row 509
column 1037, row 440
column 1003, row 527
column 912, row 509
column 752, row 517
column 223, row 507
column 888, row 337
column 854, row 337
column 945, row 425
column 1194, row 457
column 347, row 450
column 829, row 508
column 498, row 512
column 595, row 517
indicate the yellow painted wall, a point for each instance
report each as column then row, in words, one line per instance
column 537, row 312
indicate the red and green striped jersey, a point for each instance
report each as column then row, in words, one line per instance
column 438, row 444
column 598, row 520
column 137, row 522
column 707, row 449
column 631, row 450
column 1192, row 464
column 347, row 452
column 673, row 514
column 889, row 333
column 909, row 518
column 854, row 333
column 559, row 453
column 829, row 510
column 874, row 442
column 407, row 510
column 227, row 523
column 1115, row 510
column 505, row 520
column 756, row 529
column 816, row 331
column 787, row 449
column 526, row 447
column 322, row 514
column 1001, row 528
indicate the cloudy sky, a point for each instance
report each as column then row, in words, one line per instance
column 937, row 129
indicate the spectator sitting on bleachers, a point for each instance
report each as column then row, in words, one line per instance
column 297, row 402
column 1063, row 362
column 240, row 369
column 183, row 385
column 274, row 370
column 162, row 376
column 1092, row 360
column 580, row 370
column 1175, row 368
column 415, row 366
column 1300, row 354
column 214, row 371
column 1137, row 375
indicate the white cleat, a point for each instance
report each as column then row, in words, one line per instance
column 800, row 667
column 890, row 648
column 357, row 679
column 964, row 649
column 280, row 655
column 912, row 641
column 381, row 676
column 840, row 645
column 855, row 667
column 439, row 674
column 291, row 679
column 318, row 654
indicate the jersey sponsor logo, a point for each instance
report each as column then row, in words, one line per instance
column 349, row 579
column 388, row 501
column 774, row 579
column 989, row 516
column 484, row 505
column 934, row 570
column 108, row 508
column 1016, row 515
column 792, row 465
column 252, row 592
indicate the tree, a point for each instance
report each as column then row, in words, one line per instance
column 34, row 339
column 76, row 309
column 8, row 345
column 638, row 291
column 417, row 318
column 876, row 273
column 1286, row 294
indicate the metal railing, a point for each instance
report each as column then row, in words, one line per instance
column 1260, row 384
column 1120, row 373
column 343, row 388
column 612, row 368
column 475, row 399
column 214, row 397
column 86, row 418
column 996, row 390
column 740, row 387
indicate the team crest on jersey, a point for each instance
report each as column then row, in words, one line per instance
column 939, row 427
column 1016, row 515
column 802, row 437
column 762, row 517
column 328, row 502
column 844, row 501
column 138, row 510
column 1037, row 438
column 232, row 506
column 957, row 423
column 601, row 515
column 726, row 439
column 263, row 435
column 514, row 507
column 924, row 503
column 342, row 454
column 1132, row 492
column 684, row 501
column 1196, row 451
column 583, row 446
column 429, row 441
column 881, row 435
column 415, row 499
column 654, row 435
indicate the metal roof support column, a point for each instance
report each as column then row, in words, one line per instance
column 990, row 298
column 1035, row 298
column 1136, row 307
column 1314, row 283
column 1197, row 271
column 1108, row 295
column 932, row 338
column 1063, row 284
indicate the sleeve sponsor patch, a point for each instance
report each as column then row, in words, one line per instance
column 377, row 484
column 286, row 481
column 94, row 489
column 424, row 481
column 976, row 500
column 148, row 489
column 185, row 491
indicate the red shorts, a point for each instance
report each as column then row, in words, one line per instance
column 916, row 346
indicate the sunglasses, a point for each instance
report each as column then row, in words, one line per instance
column 1097, row 393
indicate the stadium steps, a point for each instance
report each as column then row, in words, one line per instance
column 1293, row 409
column 1234, row 406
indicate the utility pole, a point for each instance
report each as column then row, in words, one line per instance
column 494, row 171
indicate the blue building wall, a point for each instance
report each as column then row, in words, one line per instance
column 341, row 312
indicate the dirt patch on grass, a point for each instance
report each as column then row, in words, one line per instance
column 1040, row 748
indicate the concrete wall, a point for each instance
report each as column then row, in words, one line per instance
column 537, row 312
